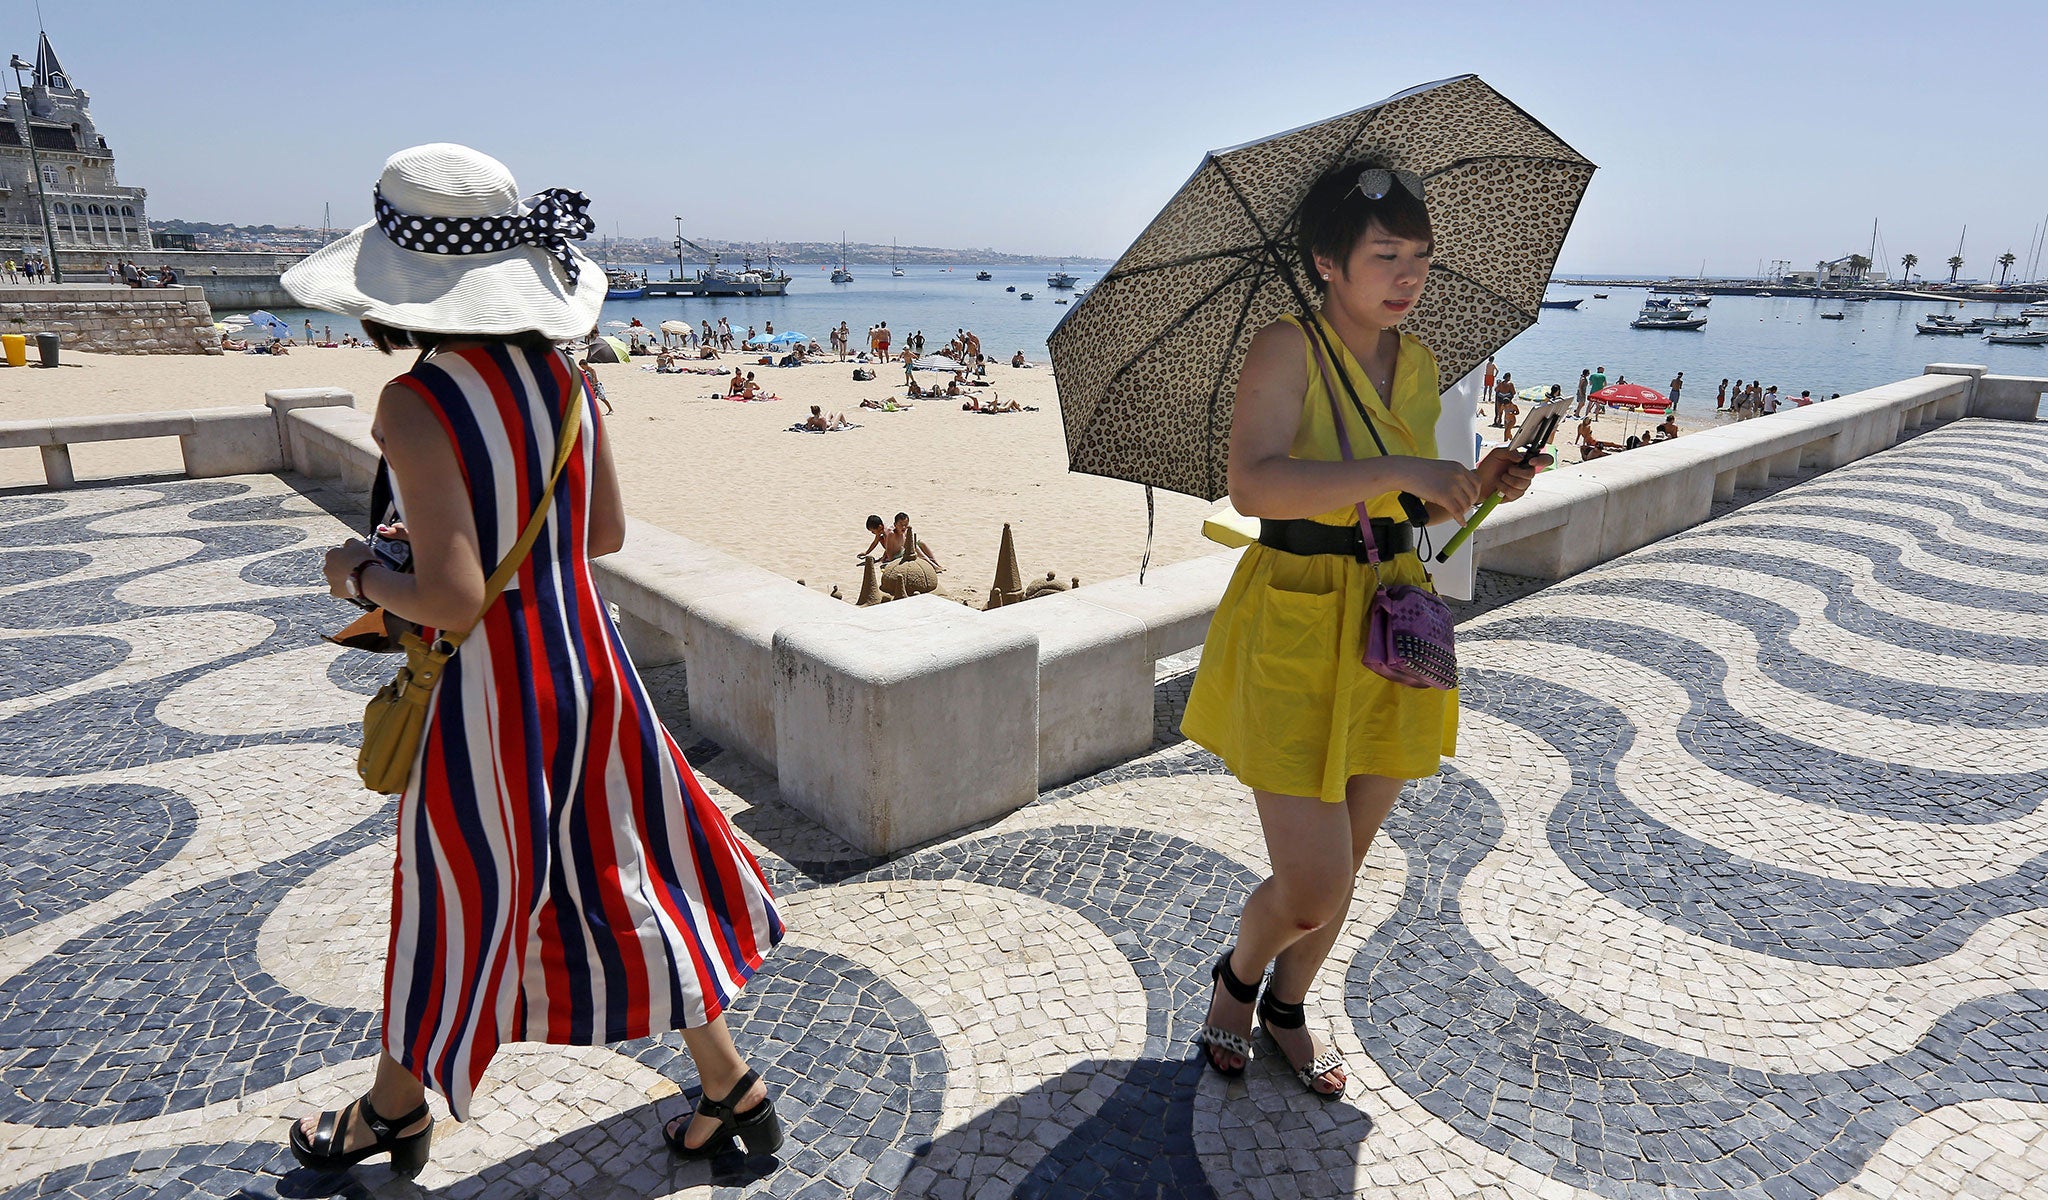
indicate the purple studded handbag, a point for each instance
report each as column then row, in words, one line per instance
column 1409, row 636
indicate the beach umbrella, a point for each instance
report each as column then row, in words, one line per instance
column 1147, row 364
column 614, row 324
column 270, row 324
column 938, row 362
column 789, row 338
column 678, row 327
column 1632, row 395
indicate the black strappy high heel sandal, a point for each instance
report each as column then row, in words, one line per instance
column 323, row 1151
column 1219, row 1038
column 758, row 1127
column 1278, row 1014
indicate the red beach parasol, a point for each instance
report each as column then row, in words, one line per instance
column 1632, row 395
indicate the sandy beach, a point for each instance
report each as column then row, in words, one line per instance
column 723, row 473
column 731, row 475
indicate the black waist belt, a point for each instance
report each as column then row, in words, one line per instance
column 1303, row 536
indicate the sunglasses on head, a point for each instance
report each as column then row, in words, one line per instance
column 1375, row 183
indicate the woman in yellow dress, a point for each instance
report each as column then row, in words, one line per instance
column 1283, row 696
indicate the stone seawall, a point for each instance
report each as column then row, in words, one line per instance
column 113, row 320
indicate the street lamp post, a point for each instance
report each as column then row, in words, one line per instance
column 36, row 166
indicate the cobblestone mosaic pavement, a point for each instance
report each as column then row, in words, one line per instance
column 1737, row 888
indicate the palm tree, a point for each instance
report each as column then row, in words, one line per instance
column 2005, row 262
column 1858, row 265
column 1955, row 264
column 1909, row 261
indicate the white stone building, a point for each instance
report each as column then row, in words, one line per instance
column 89, row 209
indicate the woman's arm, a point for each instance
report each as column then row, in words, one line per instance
column 607, row 531
column 1265, row 482
column 446, row 589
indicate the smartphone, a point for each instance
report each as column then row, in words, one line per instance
column 1539, row 426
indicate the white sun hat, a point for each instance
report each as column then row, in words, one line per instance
column 455, row 250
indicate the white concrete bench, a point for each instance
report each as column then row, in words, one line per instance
column 238, row 440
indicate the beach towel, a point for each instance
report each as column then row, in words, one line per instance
column 801, row 428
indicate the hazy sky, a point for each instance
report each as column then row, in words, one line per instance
column 1726, row 131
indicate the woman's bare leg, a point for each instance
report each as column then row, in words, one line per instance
column 1367, row 801
column 719, row 1070
column 1308, row 844
column 395, row 1093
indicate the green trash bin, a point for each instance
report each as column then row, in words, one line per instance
column 46, row 346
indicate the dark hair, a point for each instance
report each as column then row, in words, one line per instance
column 1334, row 215
column 388, row 338
column 903, row 516
column 874, row 520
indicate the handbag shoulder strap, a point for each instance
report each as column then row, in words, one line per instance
column 494, row 587
column 1372, row 549
column 1417, row 514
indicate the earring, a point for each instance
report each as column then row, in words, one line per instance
column 1326, row 277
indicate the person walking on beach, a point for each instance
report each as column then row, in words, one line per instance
column 1282, row 696
column 1503, row 396
column 1579, row 405
column 1721, row 397
column 1677, row 385
column 1491, row 374
column 542, row 892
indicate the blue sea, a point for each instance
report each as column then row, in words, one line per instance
column 1781, row 341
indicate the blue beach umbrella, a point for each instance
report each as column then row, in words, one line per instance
column 791, row 338
column 271, row 324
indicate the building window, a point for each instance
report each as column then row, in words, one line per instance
column 127, row 210
column 49, row 177
column 94, row 209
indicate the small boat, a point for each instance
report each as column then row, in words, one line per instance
column 1855, row 299
column 2035, row 310
column 1696, row 300
column 1009, row 289
column 983, row 276
column 1024, row 296
column 1950, row 329
column 1599, row 295
column 2031, row 337
column 1944, row 319
column 1060, row 278
column 1563, row 303
column 1665, row 314
column 1764, row 294
column 895, row 268
column 624, row 285
column 1834, row 316
column 840, row 274
column 1061, row 300
column 1981, row 322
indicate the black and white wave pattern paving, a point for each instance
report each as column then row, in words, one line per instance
column 1737, row 888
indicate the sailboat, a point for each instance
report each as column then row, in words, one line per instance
column 895, row 268
column 842, row 275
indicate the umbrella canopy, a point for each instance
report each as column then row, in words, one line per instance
column 1147, row 363
column 938, row 362
column 270, row 324
column 1632, row 395
column 678, row 327
column 789, row 338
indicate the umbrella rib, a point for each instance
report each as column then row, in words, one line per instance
column 1189, row 260
column 1244, row 314
column 1175, row 324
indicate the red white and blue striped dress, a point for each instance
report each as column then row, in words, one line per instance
column 562, row 876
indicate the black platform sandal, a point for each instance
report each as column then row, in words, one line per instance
column 323, row 1153
column 758, row 1127
column 1278, row 1014
column 1215, row 1036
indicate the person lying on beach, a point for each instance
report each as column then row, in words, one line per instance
column 664, row 362
column 915, row 392
column 233, row 344
column 819, row 421
column 953, row 388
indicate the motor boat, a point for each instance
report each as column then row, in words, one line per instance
column 983, row 276
column 1667, row 314
column 1982, row 322
column 1834, row 316
column 2035, row 310
column 1599, row 295
column 1009, row 289
column 1951, row 330
column 1060, row 279
column 2030, row 337
column 1024, row 296
column 1563, row 303
column 1696, row 300
column 624, row 285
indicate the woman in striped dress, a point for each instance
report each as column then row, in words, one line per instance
column 561, row 875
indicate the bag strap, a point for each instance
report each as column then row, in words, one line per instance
column 1412, row 507
column 1372, row 544
column 566, row 442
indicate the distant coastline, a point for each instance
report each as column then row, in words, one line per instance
column 299, row 239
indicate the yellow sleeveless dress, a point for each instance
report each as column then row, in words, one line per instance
column 1283, row 695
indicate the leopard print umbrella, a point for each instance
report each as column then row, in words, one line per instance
column 1147, row 362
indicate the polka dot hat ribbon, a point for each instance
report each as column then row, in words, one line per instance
column 552, row 220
